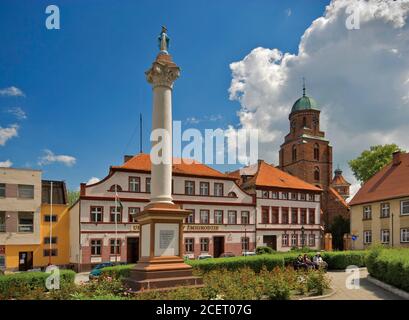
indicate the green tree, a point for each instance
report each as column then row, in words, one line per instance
column 372, row 160
column 73, row 196
column 338, row 228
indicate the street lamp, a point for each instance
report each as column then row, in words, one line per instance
column 302, row 237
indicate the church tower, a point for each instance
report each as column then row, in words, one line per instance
column 340, row 184
column 305, row 152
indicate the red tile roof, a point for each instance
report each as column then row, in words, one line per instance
column 390, row 182
column 338, row 196
column 142, row 162
column 270, row 176
column 339, row 180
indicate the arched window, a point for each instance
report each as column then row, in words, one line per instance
column 294, row 153
column 232, row 194
column 317, row 174
column 304, row 122
column 115, row 187
column 316, row 152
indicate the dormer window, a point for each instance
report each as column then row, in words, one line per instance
column 135, row 184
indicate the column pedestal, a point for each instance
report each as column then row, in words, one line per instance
column 161, row 264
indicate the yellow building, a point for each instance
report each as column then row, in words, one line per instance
column 25, row 225
column 380, row 209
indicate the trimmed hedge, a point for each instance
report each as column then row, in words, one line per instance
column 19, row 284
column 335, row 260
column 264, row 250
column 390, row 266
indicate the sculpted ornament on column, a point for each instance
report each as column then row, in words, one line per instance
column 162, row 73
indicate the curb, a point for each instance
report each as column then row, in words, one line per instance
column 334, row 291
column 388, row 287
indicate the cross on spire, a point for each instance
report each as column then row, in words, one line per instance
column 303, row 86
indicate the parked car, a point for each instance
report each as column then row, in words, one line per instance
column 249, row 253
column 96, row 271
column 227, row 255
column 204, row 256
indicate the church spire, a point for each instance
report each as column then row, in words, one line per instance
column 303, row 86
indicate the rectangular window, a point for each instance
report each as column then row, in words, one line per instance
column 26, row 222
column 190, row 188
column 204, row 244
column 135, row 184
column 311, row 240
column 46, row 252
column 26, row 191
column 265, row 213
column 245, row 244
column 404, row 235
column 218, row 216
column 204, row 188
column 2, row 261
column 115, row 246
column 302, row 196
column 48, row 218
column 311, row 216
column 385, row 236
column 274, row 195
column 232, row 217
column 367, row 237
column 245, row 217
column 96, row 214
column 311, row 197
column 274, row 215
column 367, row 215
column 96, row 247
column 132, row 212
column 284, row 240
column 294, row 216
column 265, row 194
column 2, row 221
column 218, row 190
column 47, row 240
column 385, row 210
column 284, row 215
column 191, row 217
column 115, row 214
column 303, row 216
column 284, row 195
column 293, row 196
column 294, row 240
column 2, row 190
column 148, row 185
column 204, row 216
column 189, row 245
column 404, row 207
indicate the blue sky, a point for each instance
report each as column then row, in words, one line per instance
column 84, row 84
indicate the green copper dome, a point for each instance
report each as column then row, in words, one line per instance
column 305, row 103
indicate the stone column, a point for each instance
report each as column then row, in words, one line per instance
column 161, row 75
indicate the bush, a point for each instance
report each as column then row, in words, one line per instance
column 390, row 266
column 25, row 284
column 120, row 271
column 264, row 250
column 255, row 263
column 338, row 260
column 317, row 282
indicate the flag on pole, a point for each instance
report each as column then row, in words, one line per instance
column 118, row 201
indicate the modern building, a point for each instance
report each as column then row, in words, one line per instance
column 288, row 210
column 24, row 221
column 307, row 154
column 104, row 229
column 380, row 209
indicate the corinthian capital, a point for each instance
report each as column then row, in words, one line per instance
column 162, row 74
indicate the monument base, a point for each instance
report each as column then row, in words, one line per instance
column 154, row 272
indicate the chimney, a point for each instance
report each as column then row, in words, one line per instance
column 396, row 156
column 127, row 157
column 82, row 189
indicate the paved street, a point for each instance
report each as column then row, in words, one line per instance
column 367, row 290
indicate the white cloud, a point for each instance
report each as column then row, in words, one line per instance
column 93, row 180
column 6, row 164
column 288, row 12
column 17, row 112
column 8, row 133
column 210, row 118
column 12, row 92
column 359, row 78
column 49, row 157
column 192, row 120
